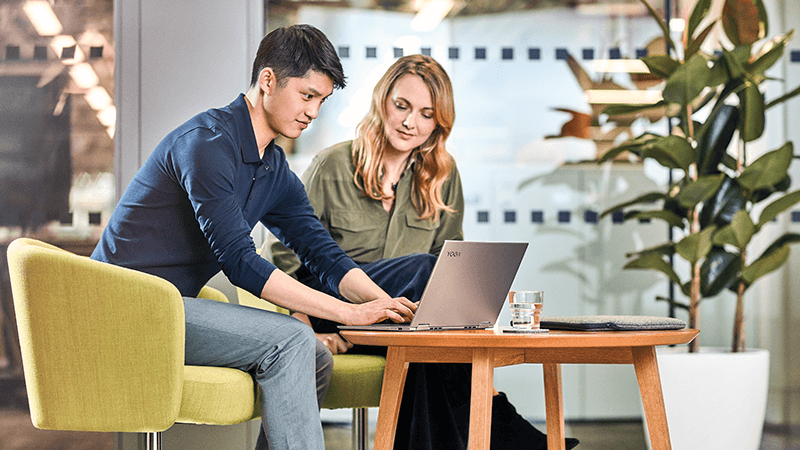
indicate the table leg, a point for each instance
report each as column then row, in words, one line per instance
column 646, row 364
column 554, row 406
column 480, row 414
column 394, row 380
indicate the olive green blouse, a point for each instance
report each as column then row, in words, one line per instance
column 360, row 225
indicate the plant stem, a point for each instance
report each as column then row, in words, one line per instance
column 694, row 303
column 738, row 323
column 694, row 289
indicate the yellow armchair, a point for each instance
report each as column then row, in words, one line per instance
column 103, row 349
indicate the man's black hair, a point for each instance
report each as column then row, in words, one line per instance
column 293, row 51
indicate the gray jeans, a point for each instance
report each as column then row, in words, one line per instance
column 280, row 352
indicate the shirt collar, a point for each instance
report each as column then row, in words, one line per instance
column 244, row 125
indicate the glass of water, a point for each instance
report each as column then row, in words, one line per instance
column 526, row 309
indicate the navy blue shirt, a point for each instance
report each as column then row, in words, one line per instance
column 189, row 211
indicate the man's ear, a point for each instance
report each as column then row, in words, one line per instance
column 266, row 80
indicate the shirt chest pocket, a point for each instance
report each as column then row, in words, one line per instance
column 419, row 235
column 356, row 232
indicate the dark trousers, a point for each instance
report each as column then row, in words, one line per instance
column 434, row 411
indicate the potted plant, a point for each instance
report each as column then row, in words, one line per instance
column 717, row 106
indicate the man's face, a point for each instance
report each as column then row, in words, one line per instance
column 291, row 105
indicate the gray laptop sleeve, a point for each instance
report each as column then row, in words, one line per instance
column 612, row 323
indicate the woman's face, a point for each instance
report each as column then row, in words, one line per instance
column 409, row 114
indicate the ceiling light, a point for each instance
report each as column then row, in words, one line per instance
column 84, row 76
column 42, row 17
column 97, row 98
column 619, row 66
column 431, row 14
column 612, row 9
column 108, row 116
column 621, row 96
column 677, row 25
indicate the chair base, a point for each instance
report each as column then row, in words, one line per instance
column 153, row 441
column 360, row 432
column 360, row 428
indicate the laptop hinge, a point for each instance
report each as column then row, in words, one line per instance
column 424, row 326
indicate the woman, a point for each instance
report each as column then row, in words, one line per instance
column 390, row 198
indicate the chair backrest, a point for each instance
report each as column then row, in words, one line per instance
column 102, row 346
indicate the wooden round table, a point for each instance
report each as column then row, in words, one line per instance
column 487, row 349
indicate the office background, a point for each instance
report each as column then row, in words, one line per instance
column 174, row 59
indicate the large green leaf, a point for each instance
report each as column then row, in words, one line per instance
column 765, row 264
column 672, row 151
column 687, row 81
column 715, row 137
column 721, row 208
column 770, row 53
column 632, row 145
column 738, row 233
column 617, row 110
column 664, row 249
column 768, row 170
column 652, row 261
column 696, row 246
column 729, row 162
column 778, row 206
column 740, row 20
column 762, row 194
column 699, row 13
column 649, row 197
column 719, row 270
column 751, row 102
column 694, row 44
column 661, row 65
column 786, row 239
column 700, row 190
column 734, row 65
column 668, row 216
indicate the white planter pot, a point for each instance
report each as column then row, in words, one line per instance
column 714, row 399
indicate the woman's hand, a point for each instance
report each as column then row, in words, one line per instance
column 335, row 343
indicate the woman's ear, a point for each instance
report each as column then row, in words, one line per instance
column 266, row 80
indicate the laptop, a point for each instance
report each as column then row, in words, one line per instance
column 466, row 290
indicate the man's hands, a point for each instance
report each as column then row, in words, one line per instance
column 398, row 310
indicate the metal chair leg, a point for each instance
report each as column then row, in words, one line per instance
column 360, row 428
column 153, row 441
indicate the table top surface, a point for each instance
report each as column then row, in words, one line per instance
column 495, row 339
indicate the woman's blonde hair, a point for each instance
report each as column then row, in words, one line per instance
column 432, row 162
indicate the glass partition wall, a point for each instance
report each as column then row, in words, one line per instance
column 57, row 121
column 531, row 80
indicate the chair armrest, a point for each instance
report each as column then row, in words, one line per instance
column 102, row 346
column 211, row 293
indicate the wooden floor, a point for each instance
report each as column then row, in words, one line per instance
column 17, row 433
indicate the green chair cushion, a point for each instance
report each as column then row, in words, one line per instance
column 356, row 382
column 217, row 395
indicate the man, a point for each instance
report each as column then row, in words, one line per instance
column 189, row 212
